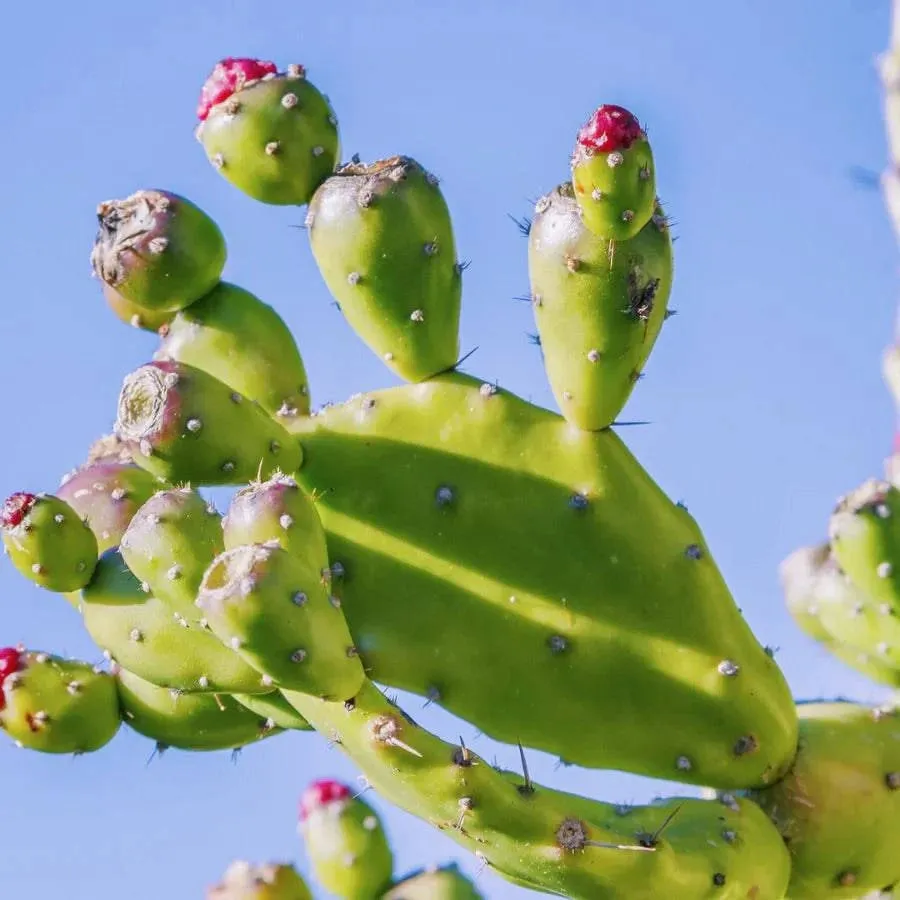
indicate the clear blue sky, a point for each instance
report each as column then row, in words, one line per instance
column 764, row 393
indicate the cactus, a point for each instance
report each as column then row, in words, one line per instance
column 244, row 343
column 142, row 634
column 476, row 520
column 271, row 134
column 345, row 841
column 169, row 544
column 515, row 565
column 47, row 541
column 158, row 251
column 56, row 705
column 183, row 424
column 201, row 722
column 613, row 174
column 272, row 881
column 839, row 808
column 598, row 314
column 382, row 238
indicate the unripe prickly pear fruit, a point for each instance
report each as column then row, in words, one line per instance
column 277, row 510
column 273, row 881
column 830, row 610
column 613, row 174
column 47, row 541
column 598, row 311
column 142, row 634
column 132, row 314
column 56, row 705
column 106, row 494
column 275, row 611
column 865, row 539
column 346, row 843
column 185, row 425
column 157, row 250
column 444, row 883
column 271, row 134
column 244, row 343
column 201, row 722
column 382, row 238
column 169, row 543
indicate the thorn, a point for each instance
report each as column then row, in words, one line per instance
column 524, row 298
column 523, row 224
column 528, row 787
column 459, row 362
column 400, row 745
column 864, row 178
column 608, row 846
column 637, row 422
column 668, row 821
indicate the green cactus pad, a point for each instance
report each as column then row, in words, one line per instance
column 613, row 174
column 865, row 540
column 598, row 313
column 245, row 344
column 272, row 881
column 838, row 809
column 383, row 240
column 202, row 722
column 276, row 138
column 444, row 883
column 345, row 841
column 56, row 705
column 171, row 540
column 157, row 250
column 275, row 611
column 144, row 636
column 680, row 849
column 458, row 509
column 830, row 610
column 185, row 425
column 48, row 542
column 274, row 707
column 277, row 510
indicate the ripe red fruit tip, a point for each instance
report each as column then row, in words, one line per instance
column 9, row 663
column 610, row 128
column 227, row 78
column 15, row 508
column 321, row 793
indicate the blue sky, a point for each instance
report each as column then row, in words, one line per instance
column 764, row 393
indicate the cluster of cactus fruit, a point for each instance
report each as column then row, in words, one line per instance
column 404, row 538
column 349, row 855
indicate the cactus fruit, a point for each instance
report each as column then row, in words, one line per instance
column 272, row 881
column 47, row 541
column 185, row 425
column 475, row 514
column 144, row 636
column 546, row 839
column 598, row 315
column 277, row 510
column 817, row 592
column 168, row 545
column 275, row 611
column 345, row 841
column 271, row 134
column 202, row 722
column 157, row 250
column 132, row 314
column 244, row 343
column 56, row 705
column 443, row 883
column 838, row 809
column 106, row 494
column 383, row 241
column 865, row 541
column 613, row 174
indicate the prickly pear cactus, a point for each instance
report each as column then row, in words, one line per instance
column 441, row 536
